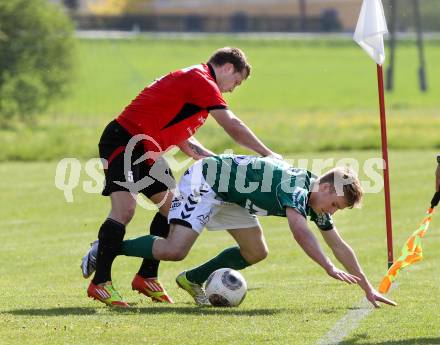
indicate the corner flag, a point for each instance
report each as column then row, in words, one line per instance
column 370, row 28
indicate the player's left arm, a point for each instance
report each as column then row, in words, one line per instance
column 193, row 148
column 346, row 256
column 308, row 242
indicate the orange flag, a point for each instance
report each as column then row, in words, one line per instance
column 412, row 250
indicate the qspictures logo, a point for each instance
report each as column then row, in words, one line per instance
column 70, row 171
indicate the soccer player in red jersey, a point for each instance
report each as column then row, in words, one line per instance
column 165, row 114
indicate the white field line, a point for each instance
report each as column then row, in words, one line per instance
column 348, row 323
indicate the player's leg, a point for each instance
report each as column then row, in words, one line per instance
column 160, row 192
column 123, row 204
column 111, row 235
column 252, row 244
column 251, row 249
column 100, row 257
column 187, row 216
column 247, row 232
column 159, row 227
column 224, row 216
column 174, row 248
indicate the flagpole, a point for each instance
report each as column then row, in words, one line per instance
column 383, row 130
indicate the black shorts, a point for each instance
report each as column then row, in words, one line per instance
column 145, row 178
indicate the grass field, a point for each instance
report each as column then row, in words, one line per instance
column 318, row 92
column 306, row 99
column 290, row 299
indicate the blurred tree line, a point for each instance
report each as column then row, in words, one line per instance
column 118, row 7
column 429, row 11
column 36, row 57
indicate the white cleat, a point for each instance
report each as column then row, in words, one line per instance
column 88, row 262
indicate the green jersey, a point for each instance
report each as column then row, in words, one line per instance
column 264, row 186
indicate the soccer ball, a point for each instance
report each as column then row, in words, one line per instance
column 225, row 288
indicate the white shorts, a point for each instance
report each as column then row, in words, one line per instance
column 196, row 206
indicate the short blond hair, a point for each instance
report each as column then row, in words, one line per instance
column 345, row 182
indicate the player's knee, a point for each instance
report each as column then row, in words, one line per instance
column 257, row 255
column 124, row 215
column 261, row 254
column 264, row 253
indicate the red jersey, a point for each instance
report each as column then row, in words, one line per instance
column 172, row 108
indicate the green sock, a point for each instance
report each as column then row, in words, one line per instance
column 141, row 247
column 229, row 258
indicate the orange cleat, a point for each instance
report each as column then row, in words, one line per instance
column 151, row 287
column 107, row 294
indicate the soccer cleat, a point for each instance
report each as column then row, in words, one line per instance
column 107, row 294
column 88, row 263
column 151, row 287
column 195, row 290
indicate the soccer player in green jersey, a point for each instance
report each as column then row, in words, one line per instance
column 229, row 191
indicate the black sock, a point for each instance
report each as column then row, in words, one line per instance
column 159, row 227
column 110, row 237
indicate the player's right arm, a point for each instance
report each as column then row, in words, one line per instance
column 310, row 245
column 194, row 149
column 241, row 133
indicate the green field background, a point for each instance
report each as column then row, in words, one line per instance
column 306, row 99
column 315, row 95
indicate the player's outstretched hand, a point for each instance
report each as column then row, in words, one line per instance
column 374, row 297
column 342, row 275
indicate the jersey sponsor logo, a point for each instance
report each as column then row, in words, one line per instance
column 189, row 206
column 204, row 218
column 185, row 215
column 177, row 201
